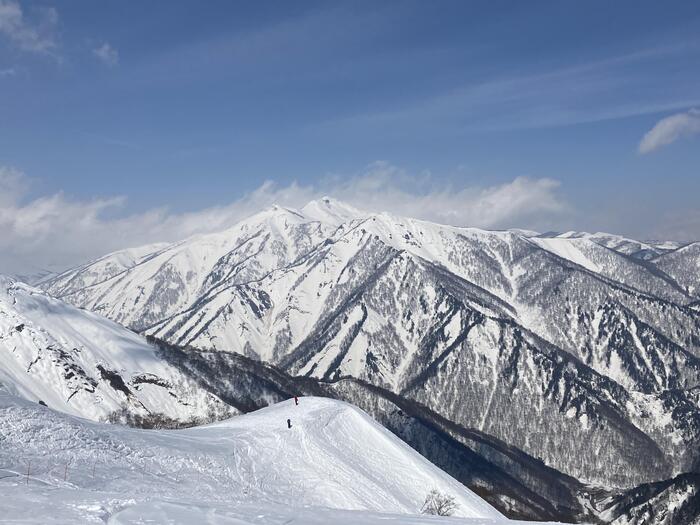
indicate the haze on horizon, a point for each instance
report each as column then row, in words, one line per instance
column 129, row 124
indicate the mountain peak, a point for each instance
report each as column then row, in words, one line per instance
column 330, row 210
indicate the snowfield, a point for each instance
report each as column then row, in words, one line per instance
column 334, row 464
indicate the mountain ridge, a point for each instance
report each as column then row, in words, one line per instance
column 414, row 307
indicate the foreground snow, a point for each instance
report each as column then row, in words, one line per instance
column 335, row 463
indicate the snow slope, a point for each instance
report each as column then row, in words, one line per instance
column 174, row 277
column 618, row 243
column 249, row 469
column 683, row 265
column 568, row 249
column 83, row 364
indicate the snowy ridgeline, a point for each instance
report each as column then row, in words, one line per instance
column 334, row 463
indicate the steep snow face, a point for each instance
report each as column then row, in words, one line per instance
column 251, row 467
column 175, row 277
column 571, row 249
column 83, row 364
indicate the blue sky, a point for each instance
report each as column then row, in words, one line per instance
column 186, row 106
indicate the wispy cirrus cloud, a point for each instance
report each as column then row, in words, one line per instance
column 56, row 231
column 670, row 129
column 559, row 95
column 36, row 33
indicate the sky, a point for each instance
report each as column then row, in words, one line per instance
column 123, row 123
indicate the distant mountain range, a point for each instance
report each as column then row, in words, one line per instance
column 568, row 363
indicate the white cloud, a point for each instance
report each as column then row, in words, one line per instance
column 8, row 72
column 522, row 202
column 56, row 231
column 13, row 184
column 35, row 35
column 107, row 54
column 670, row 129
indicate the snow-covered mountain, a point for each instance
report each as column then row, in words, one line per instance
column 138, row 287
column 633, row 248
column 683, row 265
column 83, row 364
column 668, row 502
column 578, row 349
column 334, row 464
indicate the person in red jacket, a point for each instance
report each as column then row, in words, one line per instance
column 296, row 400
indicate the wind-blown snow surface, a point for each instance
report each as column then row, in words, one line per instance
column 248, row 469
column 83, row 364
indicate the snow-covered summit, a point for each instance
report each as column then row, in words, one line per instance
column 332, row 211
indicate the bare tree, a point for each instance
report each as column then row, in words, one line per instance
column 438, row 504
